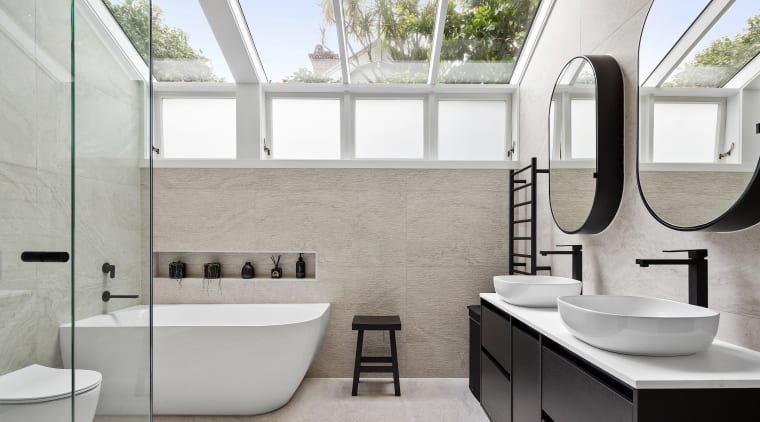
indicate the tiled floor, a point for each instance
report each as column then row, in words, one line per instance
column 330, row 400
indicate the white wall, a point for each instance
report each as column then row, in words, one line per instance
column 614, row 27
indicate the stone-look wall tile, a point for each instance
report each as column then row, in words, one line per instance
column 383, row 238
column 614, row 28
column 36, row 182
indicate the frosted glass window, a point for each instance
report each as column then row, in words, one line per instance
column 583, row 128
column 390, row 129
column 472, row 130
column 306, row 129
column 198, row 128
column 685, row 132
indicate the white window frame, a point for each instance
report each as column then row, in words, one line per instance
column 562, row 154
column 200, row 92
column 269, row 142
column 509, row 139
column 646, row 152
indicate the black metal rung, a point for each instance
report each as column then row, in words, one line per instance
column 521, row 272
column 382, row 369
column 523, row 169
column 521, row 238
column 545, row 171
column 525, row 220
column 519, row 181
column 522, row 255
column 377, row 359
column 527, row 185
column 521, row 204
column 544, row 268
column 518, row 264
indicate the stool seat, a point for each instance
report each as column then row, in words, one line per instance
column 372, row 322
column 390, row 323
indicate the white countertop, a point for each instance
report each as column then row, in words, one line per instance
column 723, row 365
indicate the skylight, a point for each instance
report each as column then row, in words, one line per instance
column 184, row 47
column 296, row 40
column 482, row 40
column 389, row 41
column 309, row 41
column 731, row 43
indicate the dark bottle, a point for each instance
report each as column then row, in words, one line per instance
column 247, row 271
column 300, row 267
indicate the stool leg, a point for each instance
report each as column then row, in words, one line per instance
column 357, row 362
column 394, row 363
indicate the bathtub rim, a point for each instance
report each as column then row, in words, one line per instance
column 326, row 307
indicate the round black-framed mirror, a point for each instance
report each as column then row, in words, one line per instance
column 698, row 149
column 586, row 144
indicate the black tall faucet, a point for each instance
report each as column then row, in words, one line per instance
column 577, row 255
column 697, row 263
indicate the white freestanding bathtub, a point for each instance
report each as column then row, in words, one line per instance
column 207, row 359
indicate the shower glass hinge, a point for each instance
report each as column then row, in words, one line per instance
column 267, row 150
column 511, row 151
column 156, row 150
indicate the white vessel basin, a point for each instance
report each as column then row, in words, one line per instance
column 534, row 290
column 639, row 325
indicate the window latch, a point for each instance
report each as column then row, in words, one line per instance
column 267, row 150
column 723, row 155
column 511, row 151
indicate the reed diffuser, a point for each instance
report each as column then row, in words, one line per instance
column 276, row 271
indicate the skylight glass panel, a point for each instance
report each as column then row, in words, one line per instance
column 389, row 41
column 297, row 40
column 482, row 40
column 732, row 42
column 184, row 47
column 133, row 18
column 666, row 23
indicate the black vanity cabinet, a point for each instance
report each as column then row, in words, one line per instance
column 495, row 363
column 528, row 377
column 526, row 373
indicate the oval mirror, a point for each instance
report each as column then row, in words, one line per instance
column 586, row 144
column 699, row 109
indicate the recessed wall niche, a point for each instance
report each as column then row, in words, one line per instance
column 232, row 264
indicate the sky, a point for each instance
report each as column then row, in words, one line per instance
column 668, row 19
column 284, row 32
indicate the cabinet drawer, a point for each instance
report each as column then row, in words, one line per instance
column 495, row 394
column 496, row 336
column 526, row 374
column 571, row 394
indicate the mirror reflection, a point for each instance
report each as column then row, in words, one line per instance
column 699, row 103
column 572, row 145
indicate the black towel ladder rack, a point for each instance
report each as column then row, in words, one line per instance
column 528, row 265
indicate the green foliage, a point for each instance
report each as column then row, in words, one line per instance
column 174, row 59
column 307, row 76
column 490, row 31
column 722, row 59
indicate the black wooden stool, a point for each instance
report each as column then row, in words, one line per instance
column 376, row 323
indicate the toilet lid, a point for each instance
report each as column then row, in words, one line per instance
column 37, row 383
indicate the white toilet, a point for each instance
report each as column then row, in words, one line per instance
column 39, row 393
